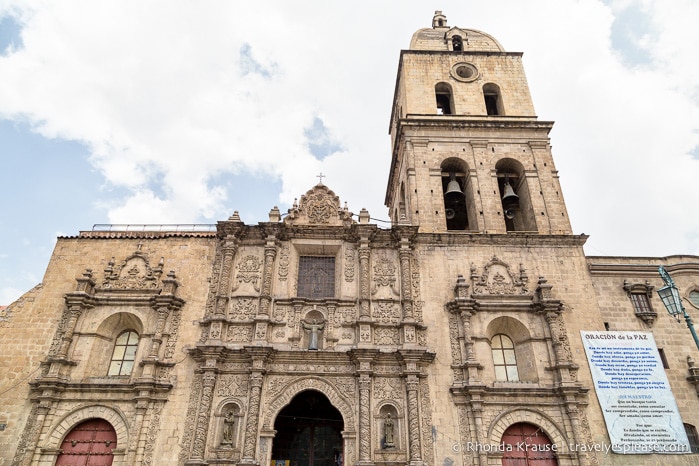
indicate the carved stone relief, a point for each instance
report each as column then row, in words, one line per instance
column 232, row 385
column 388, row 389
column 319, row 206
column 239, row 333
column 249, row 272
column 243, row 308
column 277, row 402
column 284, row 262
column 386, row 336
column 134, row 273
column 349, row 263
column 384, row 274
column 497, row 279
column 387, row 312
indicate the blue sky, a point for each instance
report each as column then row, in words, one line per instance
column 180, row 112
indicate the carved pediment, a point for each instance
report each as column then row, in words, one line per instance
column 133, row 273
column 497, row 279
column 319, row 206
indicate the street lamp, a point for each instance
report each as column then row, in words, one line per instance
column 670, row 296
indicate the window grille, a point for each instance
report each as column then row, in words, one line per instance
column 316, row 277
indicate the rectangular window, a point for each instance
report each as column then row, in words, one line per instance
column 692, row 437
column 663, row 358
column 316, row 277
column 641, row 304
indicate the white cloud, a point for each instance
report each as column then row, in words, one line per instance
column 172, row 95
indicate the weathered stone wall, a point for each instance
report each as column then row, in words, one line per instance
column 29, row 330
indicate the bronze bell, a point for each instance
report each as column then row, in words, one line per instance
column 509, row 197
column 453, row 189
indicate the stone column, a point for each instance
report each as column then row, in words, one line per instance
column 262, row 318
column 364, row 256
column 253, row 419
column 363, row 360
column 75, row 310
column 229, row 248
column 259, row 358
column 412, row 385
column 364, row 419
column 405, row 254
column 201, row 429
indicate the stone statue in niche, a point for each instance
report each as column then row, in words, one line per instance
column 388, row 432
column 228, row 429
column 314, row 327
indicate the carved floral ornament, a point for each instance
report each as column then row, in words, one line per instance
column 133, row 273
column 319, row 206
column 498, row 279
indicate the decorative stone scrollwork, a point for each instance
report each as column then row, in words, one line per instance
column 284, row 262
column 386, row 336
column 230, row 385
column 384, row 274
column 239, row 333
column 134, row 273
column 319, row 206
column 349, row 264
column 386, row 388
column 243, row 309
column 497, row 279
column 249, row 270
column 386, row 312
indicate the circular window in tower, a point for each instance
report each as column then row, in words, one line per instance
column 694, row 297
column 465, row 72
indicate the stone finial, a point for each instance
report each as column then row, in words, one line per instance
column 275, row 215
column 235, row 217
column 461, row 288
column 364, row 216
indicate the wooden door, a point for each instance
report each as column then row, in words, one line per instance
column 90, row 443
column 530, row 446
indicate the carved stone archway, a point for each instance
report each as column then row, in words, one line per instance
column 506, row 419
column 50, row 447
column 287, row 394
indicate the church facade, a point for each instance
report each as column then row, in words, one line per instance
column 319, row 339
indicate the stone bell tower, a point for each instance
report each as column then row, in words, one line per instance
column 468, row 152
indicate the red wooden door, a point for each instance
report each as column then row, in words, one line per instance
column 90, row 443
column 530, row 446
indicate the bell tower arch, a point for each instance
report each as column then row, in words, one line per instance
column 468, row 151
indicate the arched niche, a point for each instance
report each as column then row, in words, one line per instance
column 515, row 196
column 458, row 199
column 444, row 96
column 105, row 337
column 523, row 345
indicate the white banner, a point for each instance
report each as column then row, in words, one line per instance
column 639, row 409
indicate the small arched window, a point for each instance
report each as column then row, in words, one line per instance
column 457, row 44
column 493, row 100
column 444, row 99
column 504, row 359
column 124, row 353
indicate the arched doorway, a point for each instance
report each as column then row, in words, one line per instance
column 530, row 446
column 90, row 443
column 309, row 432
